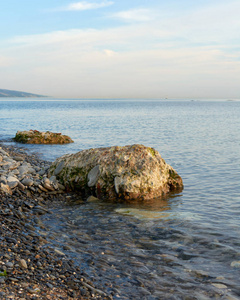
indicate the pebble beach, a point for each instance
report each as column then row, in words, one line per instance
column 30, row 268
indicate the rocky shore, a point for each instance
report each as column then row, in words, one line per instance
column 30, row 267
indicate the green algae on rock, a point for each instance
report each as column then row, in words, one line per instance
column 133, row 172
column 37, row 137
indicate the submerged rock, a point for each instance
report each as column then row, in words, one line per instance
column 131, row 172
column 37, row 137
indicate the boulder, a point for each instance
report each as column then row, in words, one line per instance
column 127, row 173
column 37, row 137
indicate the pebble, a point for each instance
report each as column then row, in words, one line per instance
column 220, row 285
column 92, row 199
column 18, row 158
column 9, row 264
column 59, row 252
column 23, row 263
column 31, row 266
column 27, row 182
column 16, row 173
column 40, row 210
column 235, row 264
column 2, row 280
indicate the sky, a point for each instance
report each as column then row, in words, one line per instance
column 120, row 48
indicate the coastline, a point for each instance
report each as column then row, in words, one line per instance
column 30, row 268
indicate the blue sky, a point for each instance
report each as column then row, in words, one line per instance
column 121, row 49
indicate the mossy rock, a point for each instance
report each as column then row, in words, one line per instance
column 38, row 137
column 127, row 173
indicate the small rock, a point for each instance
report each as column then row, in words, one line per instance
column 23, row 169
column 23, row 264
column 33, row 291
column 21, row 186
column 9, row 264
column 48, row 186
column 12, row 184
column 40, row 210
column 92, row 199
column 4, row 152
column 235, row 264
column 53, row 179
column 59, row 252
column 61, row 187
column 27, row 182
column 5, row 188
column 12, row 179
column 42, row 188
column 219, row 285
column 15, row 172
column 2, row 280
column 13, row 280
column 18, row 158
column 3, row 179
column 24, row 284
column 42, row 172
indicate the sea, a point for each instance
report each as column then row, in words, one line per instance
column 183, row 247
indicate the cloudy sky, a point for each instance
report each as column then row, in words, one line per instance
column 121, row 48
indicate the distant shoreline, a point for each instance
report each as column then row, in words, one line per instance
column 29, row 96
column 12, row 94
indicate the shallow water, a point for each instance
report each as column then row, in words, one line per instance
column 183, row 248
column 139, row 253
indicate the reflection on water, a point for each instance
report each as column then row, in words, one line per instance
column 152, row 209
column 144, row 214
column 150, row 214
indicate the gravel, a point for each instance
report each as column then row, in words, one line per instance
column 30, row 268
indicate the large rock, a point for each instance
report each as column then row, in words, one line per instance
column 37, row 137
column 117, row 173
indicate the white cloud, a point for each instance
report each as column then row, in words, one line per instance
column 84, row 5
column 6, row 61
column 192, row 54
column 135, row 15
column 109, row 53
column 71, row 63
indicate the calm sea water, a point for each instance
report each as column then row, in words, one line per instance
column 185, row 248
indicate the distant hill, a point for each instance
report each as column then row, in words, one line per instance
column 9, row 93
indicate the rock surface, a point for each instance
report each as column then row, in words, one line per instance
column 130, row 173
column 37, row 137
